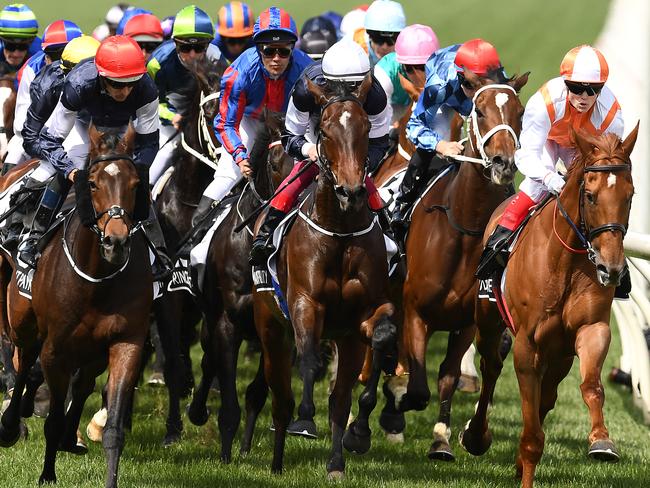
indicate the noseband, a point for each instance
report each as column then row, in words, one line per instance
column 584, row 233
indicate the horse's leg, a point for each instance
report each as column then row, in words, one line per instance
column 528, row 366
column 256, row 394
column 10, row 422
column 592, row 344
column 95, row 427
column 123, row 363
column 276, row 349
column 197, row 410
column 476, row 437
column 168, row 317
column 351, row 354
column 384, row 357
column 415, row 344
column 448, row 375
column 34, row 380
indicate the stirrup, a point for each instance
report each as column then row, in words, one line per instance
column 260, row 252
column 28, row 250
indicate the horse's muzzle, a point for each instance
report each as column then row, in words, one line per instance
column 609, row 276
column 351, row 197
column 115, row 249
column 503, row 170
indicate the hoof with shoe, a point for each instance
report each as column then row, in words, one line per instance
column 95, row 428
column 472, row 444
column 303, row 428
column 171, row 438
column 392, row 423
column 197, row 415
column 355, row 441
column 604, row 450
column 336, row 476
column 395, row 438
column 441, row 451
column 468, row 384
column 8, row 437
column 156, row 379
column 42, row 401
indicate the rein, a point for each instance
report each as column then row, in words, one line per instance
column 204, row 136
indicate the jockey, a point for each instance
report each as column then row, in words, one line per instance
column 317, row 35
column 235, row 22
column 193, row 32
column 111, row 21
column 577, row 99
column 414, row 45
column 18, row 29
column 44, row 93
column 55, row 38
column 167, row 25
column 352, row 21
column 261, row 77
column 335, row 18
column 146, row 30
column 114, row 92
column 445, row 92
column 129, row 13
column 383, row 22
column 345, row 64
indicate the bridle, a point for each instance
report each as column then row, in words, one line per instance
column 205, row 135
column 586, row 234
column 482, row 139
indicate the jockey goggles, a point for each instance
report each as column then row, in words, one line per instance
column 15, row 46
column 236, row 41
column 579, row 88
column 412, row 68
column 380, row 38
column 120, row 84
column 270, row 52
column 149, row 46
column 186, row 47
column 463, row 81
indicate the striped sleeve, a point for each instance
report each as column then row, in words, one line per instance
column 231, row 110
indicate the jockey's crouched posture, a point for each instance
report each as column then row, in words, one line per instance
column 344, row 64
column 113, row 91
column 577, row 99
column 445, row 92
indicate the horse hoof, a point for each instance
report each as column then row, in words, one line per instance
column 357, row 444
column 171, row 439
column 79, row 448
column 303, row 428
column 476, row 447
column 8, row 437
column 440, row 451
column 156, row 379
column 604, row 450
column 395, row 438
column 336, row 476
column 47, row 479
column 392, row 423
column 468, row 384
column 198, row 416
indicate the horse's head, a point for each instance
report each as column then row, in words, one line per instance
column 343, row 140
column 603, row 172
column 495, row 123
column 112, row 181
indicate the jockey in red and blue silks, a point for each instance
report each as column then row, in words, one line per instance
column 261, row 77
column 55, row 38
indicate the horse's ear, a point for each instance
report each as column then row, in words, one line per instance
column 409, row 88
column 630, row 140
column 582, row 141
column 95, row 138
column 362, row 92
column 128, row 141
column 519, row 82
column 317, row 92
column 472, row 78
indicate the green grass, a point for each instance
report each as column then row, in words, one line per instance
column 195, row 462
column 530, row 35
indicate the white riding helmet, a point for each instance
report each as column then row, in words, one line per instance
column 352, row 21
column 345, row 61
column 114, row 15
column 385, row 16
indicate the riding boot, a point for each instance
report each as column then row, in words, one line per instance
column 162, row 266
column 262, row 244
column 206, row 204
column 53, row 197
column 199, row 226
column 25, row 199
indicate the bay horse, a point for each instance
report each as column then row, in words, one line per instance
column 91, row 300
column 443, row 247
column 227, row 295
column 332, row 269
column 7, row 111
column 558, row 292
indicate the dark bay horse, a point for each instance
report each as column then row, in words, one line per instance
column 91, row 299
column 444, row 245
column 560, row 283
column 332, row 270
column 227, row 295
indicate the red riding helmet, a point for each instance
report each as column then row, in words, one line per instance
column 120, row 58
column 478, row 56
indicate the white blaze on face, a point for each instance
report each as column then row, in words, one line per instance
column 345, row 116
column 501, row 99
column 112, row 169
column 611, row 180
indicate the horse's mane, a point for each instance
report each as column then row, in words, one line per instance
column 497, row 75
column 337, row 89
column 609, row 144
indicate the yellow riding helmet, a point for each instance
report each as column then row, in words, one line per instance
column 77, row 50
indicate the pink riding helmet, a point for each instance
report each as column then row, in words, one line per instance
column 415, row 44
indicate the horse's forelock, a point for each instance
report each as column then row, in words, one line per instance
column 610, row 147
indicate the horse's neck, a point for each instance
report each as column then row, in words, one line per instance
column 327, row 213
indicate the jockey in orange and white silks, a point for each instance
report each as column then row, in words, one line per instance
column 577, row 99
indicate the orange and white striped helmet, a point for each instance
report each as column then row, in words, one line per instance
column 584, row 64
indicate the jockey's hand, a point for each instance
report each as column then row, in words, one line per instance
column 554, row 182
column 312, row 153
column 71, row 175
column 245, row 168
column 449, row 148
column 176, row 121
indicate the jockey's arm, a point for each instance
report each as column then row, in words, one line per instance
column 23, row 100
column 387, row 84
column 536, row 126
column 378, row 137
column 38, row 112
column 420, row 126
column 296, row 125
column 54, row 133
column 231, row 110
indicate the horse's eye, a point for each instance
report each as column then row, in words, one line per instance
column 590, row 198
column 478, row 112
column 92, row 185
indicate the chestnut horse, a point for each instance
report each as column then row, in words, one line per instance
column 91, row 299
column 7, row 111
column 332, row 269
column 444, row 245
column 559, row 289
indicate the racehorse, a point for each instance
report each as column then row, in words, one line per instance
column 227, row 292
column 443, row 247
column 558, row 296
column 90, row 306
column 7, row 110
column 332, row 269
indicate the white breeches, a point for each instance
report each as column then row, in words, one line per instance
column 551, row 154
column 163, row 159
column 76, row 145
column 15, row 152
